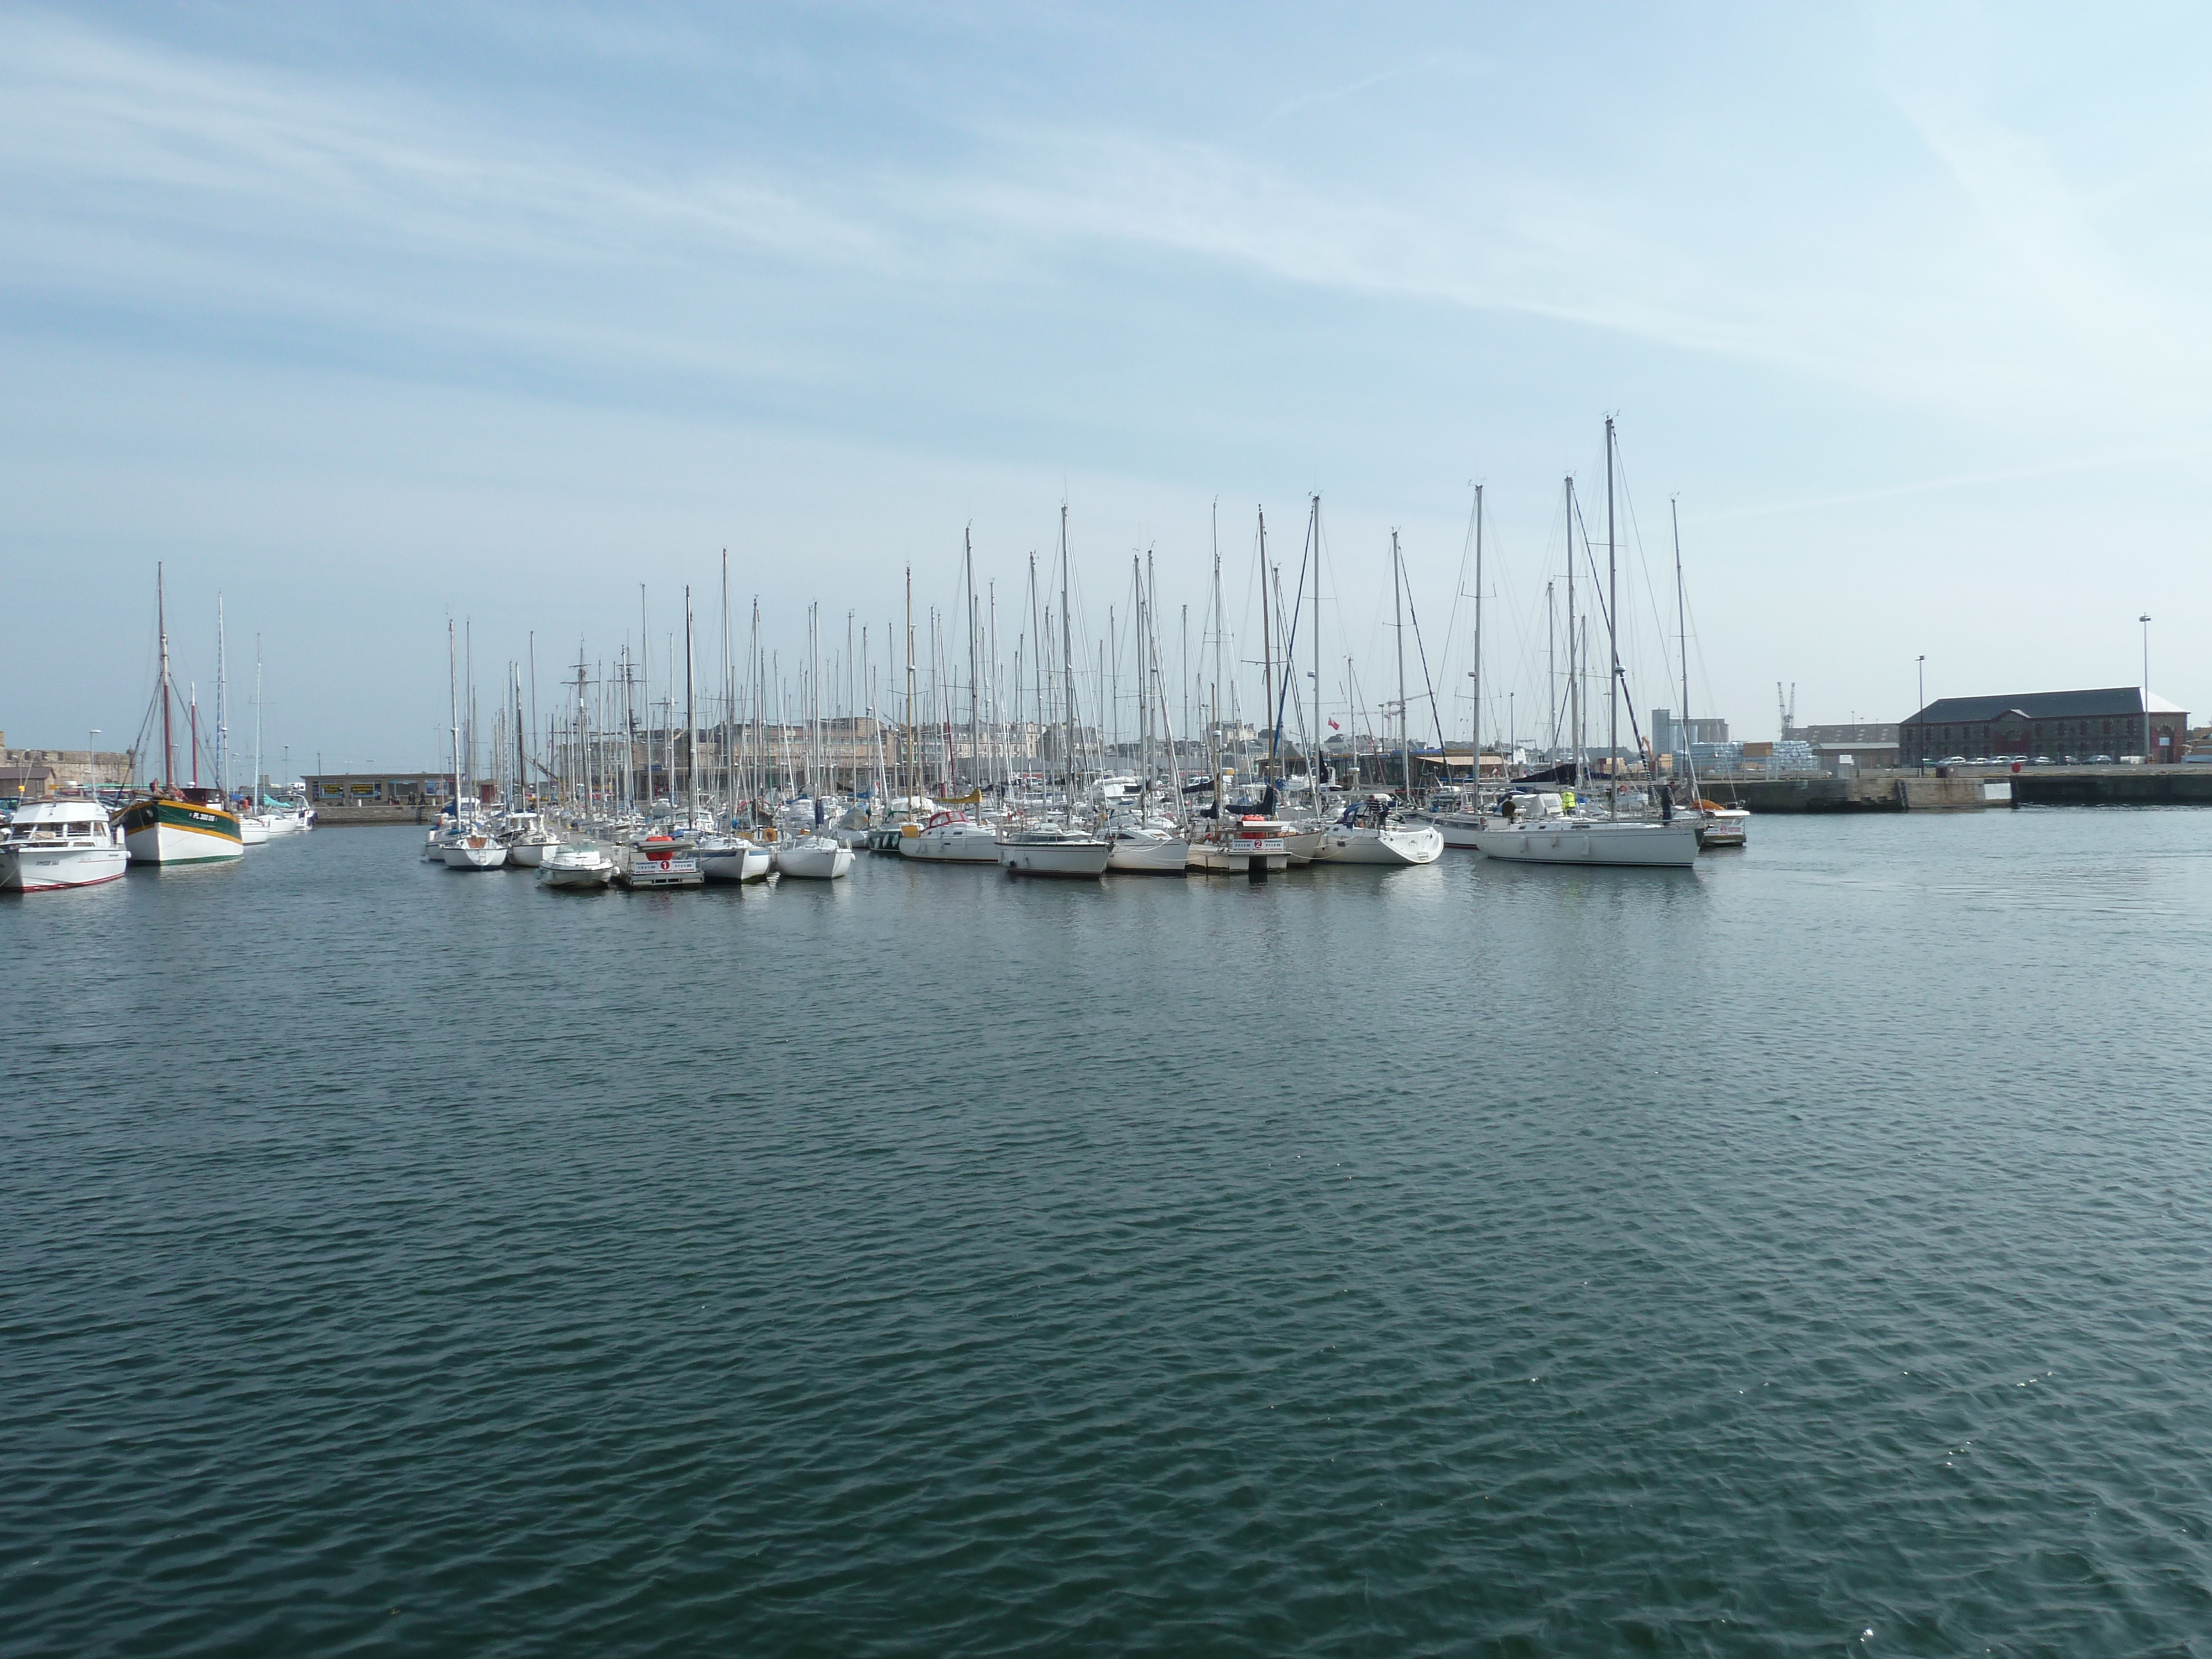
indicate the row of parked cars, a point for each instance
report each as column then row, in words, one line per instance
column 2039, row 760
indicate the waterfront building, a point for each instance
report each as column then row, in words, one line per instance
column 2114, row 721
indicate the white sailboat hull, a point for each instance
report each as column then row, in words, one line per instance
column 815, row 859
column 957, row 843
column 1077, row 856
column 473, row 853
column 1650, row 846
column 1394, row 844
column 1159, row 856
column 741, row 861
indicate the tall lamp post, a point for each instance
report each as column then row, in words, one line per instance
column 2145, row 620
column 1920, row 723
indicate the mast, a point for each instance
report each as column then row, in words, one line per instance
column 168, row 736
column 1613, row 638
column 222, row 707
column 1067, row 664
column 454, row 708
column 1313, row 754
column 1574, row 653
column 522, row 752
column 257, row 725
column 1477, row 644
column 729, row 696
column 690, row 706
column 533, row 705
column 1682, row 639
column 1397, row 612
column 975, row 686
column 1267, row 650
column 907, row 737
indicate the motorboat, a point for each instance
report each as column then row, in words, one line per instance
column 1721, row 826
column 950, row 838
column 1052, row 849
column 1539, row 831
column 658, row 860
column 813, row 857
column 54, row 844
column 253, row 831
column 580, row 865
column 1253, row 845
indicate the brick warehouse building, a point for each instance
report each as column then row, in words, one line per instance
column 2121, row 720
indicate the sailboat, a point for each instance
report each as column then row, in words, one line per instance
column 1372, row 831
column 1536, row 829
column 469, row 844
column 173, row 822
column 1057, row 847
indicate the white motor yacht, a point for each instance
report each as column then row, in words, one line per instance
column 53, row 844
column 528, row 839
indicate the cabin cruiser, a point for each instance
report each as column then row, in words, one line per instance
column 581, row 865
column 53, row 844
column 813, row 857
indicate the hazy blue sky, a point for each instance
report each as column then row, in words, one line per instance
column 366, row 316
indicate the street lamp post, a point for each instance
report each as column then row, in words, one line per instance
column 1920, row 720
column 2145, row 620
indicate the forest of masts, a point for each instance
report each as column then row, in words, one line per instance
column 984, row 695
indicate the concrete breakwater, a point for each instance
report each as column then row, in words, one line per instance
column 1971, row 791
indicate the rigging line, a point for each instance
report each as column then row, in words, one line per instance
column 1424, row 650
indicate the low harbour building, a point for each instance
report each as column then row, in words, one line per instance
column 2111, row 722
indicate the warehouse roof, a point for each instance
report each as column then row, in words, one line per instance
column 2044, row 706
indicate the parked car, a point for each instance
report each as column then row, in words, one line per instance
column 1952, row 760
column 2100, row 760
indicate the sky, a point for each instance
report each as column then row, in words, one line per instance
column 365, row 319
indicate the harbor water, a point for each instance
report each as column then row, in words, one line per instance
column 1810, row 1253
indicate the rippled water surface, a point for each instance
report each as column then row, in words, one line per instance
column 1807, row 1254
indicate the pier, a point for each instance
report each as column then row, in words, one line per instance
column 1971, row 789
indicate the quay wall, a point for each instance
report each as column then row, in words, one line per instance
column 1885, row 791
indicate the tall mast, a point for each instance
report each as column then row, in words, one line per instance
column 257, row 725
column 521, row 750
column 1397, row 612
column 975, row 686
column 1612, row 638
column 729, row 696
column 1313, row 755
column 907, row 737
column 1478, row 640
column 1266, row 643
column 222, row 706
column 168, row 736
column 1682, row 639
column 690, row 704
column 1574, row 650
column 454, row 708
column 1068, row 662
column 533, row 706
